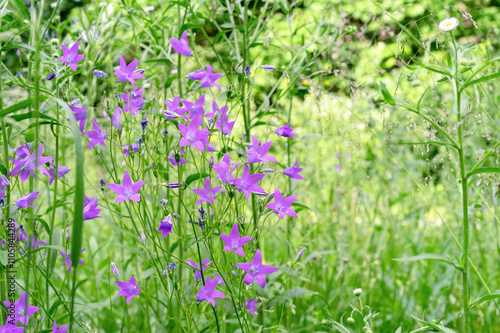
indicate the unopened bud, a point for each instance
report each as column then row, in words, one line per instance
column 301, row 252
column 211, row 162
column 357, row 292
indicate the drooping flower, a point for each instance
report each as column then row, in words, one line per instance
column 181, row 46
column 234, row 242
column 166, row 226
column 129, row 289
column 448, row 24
column 67, row 260
column 192, row 136
column 99, row 74
column 208, row 292
column 27, row 200
column 247, row 71
column 207, row 77
column 173, row 158
column 36, row 243
column 28, row 161
column 259, row 153
column 80, row 115
column 90, row 210
column 127, row 191
column 22, row 309
column 252, row 306
column 134, row 100
column 199, row 224
column 256, row 271
column 285, row 131
column 127, row 72
column 197, row 274
column 223, row 124
column 144, row 123
column 293, row 171
column 115, row 118
column 97, row 136
column 247, row 183
column 225, row 169
column 207, row 194
column 281, row 206
column 61, row 171
column 61, row 329
column 71, row 56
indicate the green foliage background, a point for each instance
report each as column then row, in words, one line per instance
column 367, row 198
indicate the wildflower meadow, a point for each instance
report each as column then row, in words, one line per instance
column 249, row 166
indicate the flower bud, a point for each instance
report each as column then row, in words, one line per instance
column 211, row 162
column 300, row 254
column 176, row 215
column 351, row 320
column 51, row 76
column 115, row 269
column 98, row 55
column 54, row 41
column 143, row 238
column 357, row 292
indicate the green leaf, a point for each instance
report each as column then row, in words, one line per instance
column 4, row 258
column 387, row 96
column 21, row 105
column 31, row 115
column 440, row 328
column 195, row 177
column 485, row 298
column 483, row 79
column 399, row 330
column 3, row 169
column 483, row 170
column 426, row 256
column 22, row 7
column 300, row 206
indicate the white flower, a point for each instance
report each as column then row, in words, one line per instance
column 448, row 24
column 357, row 292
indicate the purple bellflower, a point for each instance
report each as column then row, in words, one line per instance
column 181, row 46
column 208, row 292
column 80, row 115
column 207, row 194
column 252, row 306
column 173, row 159
column 99, row 74
column 90, row 210
column 22, row 308
column 128, row 149
column 259, row 153
column 61, row 171
column 115, row 269
column 27, row 200
column 285, row 131
column 225, row 169
column 174, row 109
column 127, row 72
column 67, row 260
column 207, row 77
column 61, row 329
column 247, row 183
column 115, row 118
column 127, row 191
column 166, row 226
column 134, row 100
column 256, row 271
column 223, row 124
column 282, row 206
column 197, row 274
column 195, row 109
column 234, row 242
column 9, row 328
column 129, row 289
column 293, row 171
column 192, row 136
column 71, row 56
column 97, row 136
column 4, row 182
column 27, row 162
